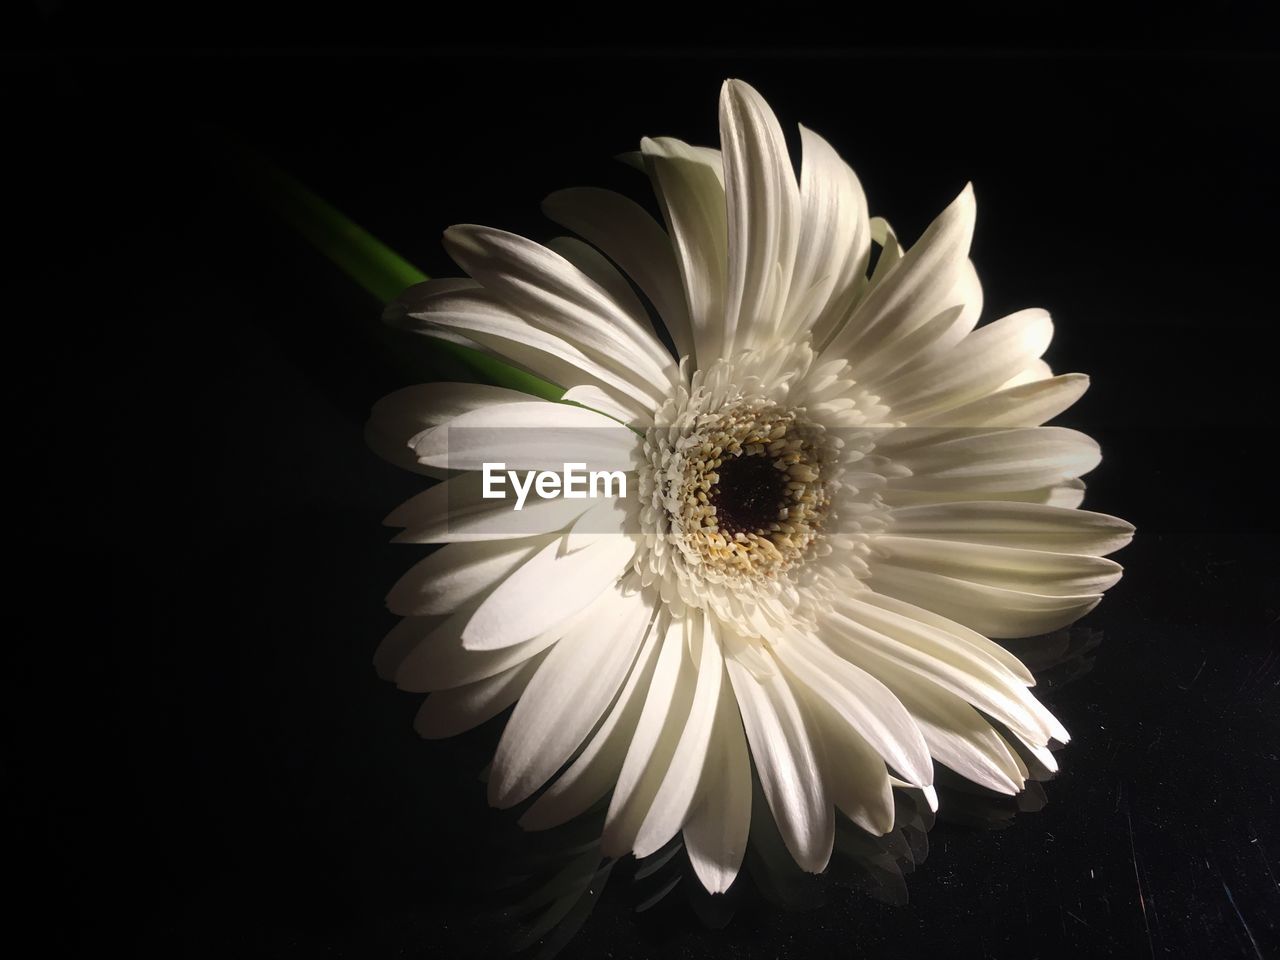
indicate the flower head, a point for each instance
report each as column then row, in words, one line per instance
column 842, row 487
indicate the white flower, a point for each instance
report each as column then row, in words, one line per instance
column 841, row 489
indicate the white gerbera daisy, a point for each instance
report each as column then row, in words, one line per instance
column 840, row 491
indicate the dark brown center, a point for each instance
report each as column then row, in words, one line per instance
column 748, row 494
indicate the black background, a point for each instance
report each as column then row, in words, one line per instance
column 208, row 765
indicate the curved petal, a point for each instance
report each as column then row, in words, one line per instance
column 1031, row 526
column 1025, row 405
column 996, row 461
column 597, row 267
column 654, row 742
column 533, row 435
column 632, row 239
column 1033, row 372
column 834, row 242
column 433, row 306
column 608, row 402
column 994, row 611
column 790, row 774
column 715, row 834
column 974, row 368
column 914, row 347
column 956, row 733
column 553, row 294
column 455, row 510
column 1067, row 494
column 858, row 777
column 403, row 414
column 571, row 690
column 398, row 644
column 437, row 660
column 891, row 251
column 864, row 703
column 763, row 206
column 979, row 680
column 547, row 589
column 459, row 573
column 671, row 804
column 594, row 771
column 447, row 713
column 1014, row 568
column 913, row 624
column 883, row 365
column 692, row 198
column 913, row 290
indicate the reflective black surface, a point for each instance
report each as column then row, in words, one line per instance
column 214, row 769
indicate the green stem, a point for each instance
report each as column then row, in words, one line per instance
column 369, row 262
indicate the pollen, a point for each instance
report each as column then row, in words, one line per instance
column 747, row 491
column 746, row 505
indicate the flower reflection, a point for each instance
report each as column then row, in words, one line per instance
column 547, row 883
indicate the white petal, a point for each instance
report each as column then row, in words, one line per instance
column 551, row 293
column 996, row 461
column 1027, row 405
column 534, row 435
column 483, row 317
column 1067, row 494
column 1044, row 756
column 1030, row 525
column 864, row 703
column 974, row 368
column 1034, row 372
column 457, row 574
column 436, row 659
column 712, row 158
column 763, row 216
column 498, row 520
column 881, row 366
column 1014, row 568
column 789, row 770
column 864, row 636
column 692, row 198
column 568, row 694
column 899, row 619
column 609, row 516
column 401, row 415
column 715, row 835
column 856, row 773
column 454, row 510
column 397, row 645
column 654, row 742
column 596, row 768
column 994, row 611
column 913, row 347
column 632, row 239
column 597, row 267
column 915, row 289
column 835, row 237
column 447, row 713
column 957, row 734
column 671, row 804
column 611, row 404
column 547, row 589
column 891, row 251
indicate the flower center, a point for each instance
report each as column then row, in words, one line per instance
column 744, row 500
column 745, row 491
column 748, row 495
